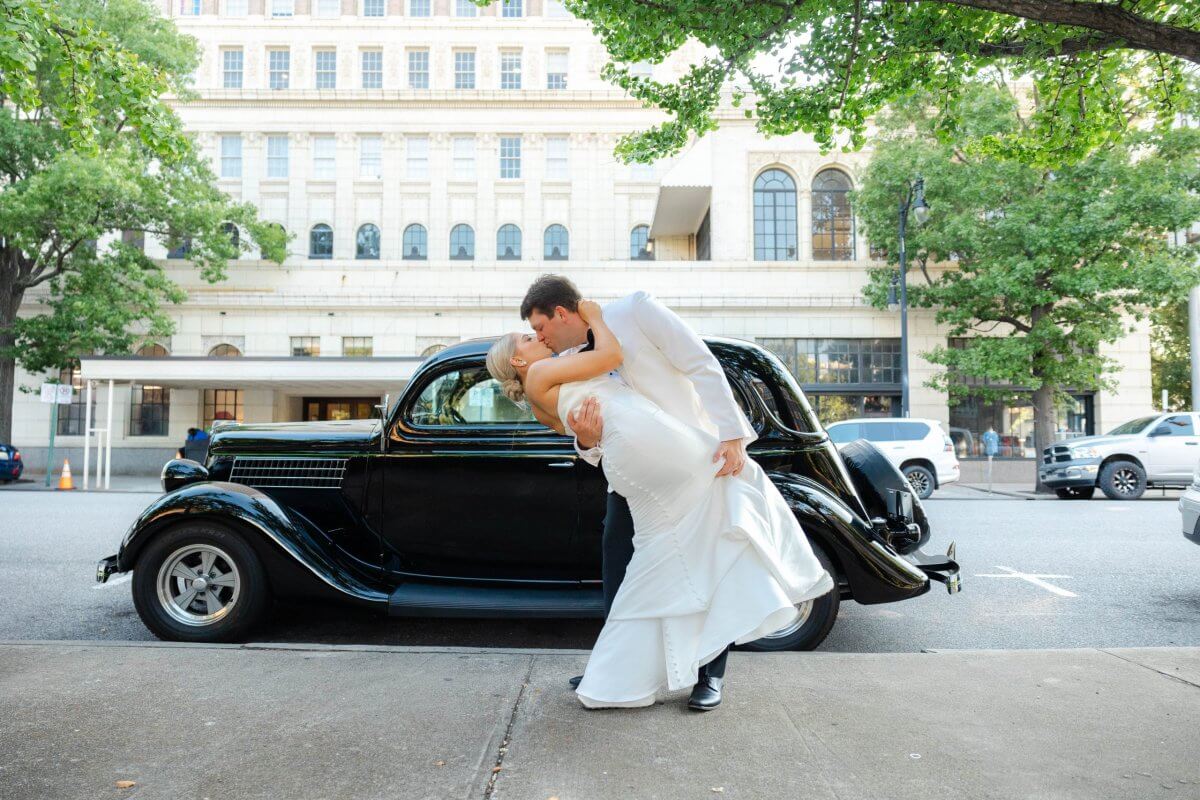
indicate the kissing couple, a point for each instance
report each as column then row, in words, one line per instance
column 699, row 549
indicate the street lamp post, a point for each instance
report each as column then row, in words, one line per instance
column 914, row 198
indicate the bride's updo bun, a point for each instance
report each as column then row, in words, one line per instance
column 499, row 366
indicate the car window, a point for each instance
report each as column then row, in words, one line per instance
column 1179, row 425
column 910, row 431
column 846, row 432
column 468, row 396
column 878, row 432
column 1133, row 426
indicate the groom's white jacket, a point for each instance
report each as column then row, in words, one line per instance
column 668, row 363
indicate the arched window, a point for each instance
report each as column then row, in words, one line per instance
column 320, row 241
column 774, row 216
column 462, row 243
column 639, row 244
column 224, row 351
column 152, row 350
column 366, row 243
column 181, row 248
column 557, row 243
column 416, row 243
column 832, row 221
column 231, row 230
column 508, row 243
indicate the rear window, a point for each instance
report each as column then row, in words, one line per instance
column 910, row 431
column 848, row 432
column 878, row 432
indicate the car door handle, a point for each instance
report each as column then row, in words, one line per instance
column 562, row 464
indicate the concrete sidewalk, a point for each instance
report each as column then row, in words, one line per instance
column 300, row 722
column 34, row 482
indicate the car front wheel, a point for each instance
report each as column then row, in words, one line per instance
column 1122, row 480
column 921, row 481
column 199, row 582
column 813, row 623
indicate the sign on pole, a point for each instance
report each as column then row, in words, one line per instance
column 57, row 394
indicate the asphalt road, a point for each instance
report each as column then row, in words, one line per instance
column 1121, row 575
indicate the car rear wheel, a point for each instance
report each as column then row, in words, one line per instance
column 814, row 622
column 1075, row 492
column 1122, row 480
column 921, row 480
column 200, row 582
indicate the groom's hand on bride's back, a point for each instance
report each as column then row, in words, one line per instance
column 587, row 423
column 734, row 453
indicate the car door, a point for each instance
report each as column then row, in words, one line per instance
column 1173, row 448
column 473, row 487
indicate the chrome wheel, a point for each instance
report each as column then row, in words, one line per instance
column 198, row 584
column 805, row 610
column 1125, row 481
column 919, row 481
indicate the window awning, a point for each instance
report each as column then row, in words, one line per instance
column 289, row 374
column 685, row 193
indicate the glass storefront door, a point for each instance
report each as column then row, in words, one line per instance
column 339, row 408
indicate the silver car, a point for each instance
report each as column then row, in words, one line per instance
column 1189, row 508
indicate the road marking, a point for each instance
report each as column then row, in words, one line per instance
column 1032, row 577
column 117, row 581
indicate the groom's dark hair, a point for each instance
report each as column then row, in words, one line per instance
column 547, row 293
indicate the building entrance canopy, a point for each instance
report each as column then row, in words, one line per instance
column 684, row 194
column 286, row 374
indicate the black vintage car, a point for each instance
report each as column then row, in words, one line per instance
column 458, row 504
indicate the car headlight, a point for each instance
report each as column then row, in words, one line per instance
column 1084, row 452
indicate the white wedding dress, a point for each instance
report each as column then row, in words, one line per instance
column 715, row 560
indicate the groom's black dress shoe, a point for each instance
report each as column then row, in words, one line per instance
column 575, row 681
column 706, row 694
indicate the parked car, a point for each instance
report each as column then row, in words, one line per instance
column 1189, row 507
column 917, row 447
column 11, row 465
column 1158, row 450
column 459, row 504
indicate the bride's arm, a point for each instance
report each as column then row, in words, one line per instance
column 549, row 420
column 604, row 358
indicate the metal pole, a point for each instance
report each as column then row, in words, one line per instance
column 108, row 438
column 904, row 407
column 87, row 430
column 1194, row 341
column 53, row 430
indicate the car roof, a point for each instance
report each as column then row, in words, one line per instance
column 886, row 419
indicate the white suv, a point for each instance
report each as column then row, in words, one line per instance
column 918, row 447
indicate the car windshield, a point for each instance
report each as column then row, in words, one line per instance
column 1133, row 426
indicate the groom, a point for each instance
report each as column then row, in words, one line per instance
column 669, row 364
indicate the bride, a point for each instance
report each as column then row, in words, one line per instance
column 716, row 560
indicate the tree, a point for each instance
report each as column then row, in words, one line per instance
column 1037, row 267
column 88, row 147
column 826, row 66
column 1170, row 354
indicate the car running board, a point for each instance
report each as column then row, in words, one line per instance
column 443, row 600
column 940, row 568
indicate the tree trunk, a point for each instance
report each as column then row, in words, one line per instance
column 10, row 300
column 1044, row 425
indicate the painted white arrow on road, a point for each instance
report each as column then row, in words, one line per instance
column 1032, row 577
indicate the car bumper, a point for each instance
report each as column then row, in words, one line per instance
column 948, row 473
column 1189, row 509
column 943, row 569
column 105, row 568
column 1062, row 476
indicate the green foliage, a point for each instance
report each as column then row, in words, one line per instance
column 1170, row 355
column 826, row 66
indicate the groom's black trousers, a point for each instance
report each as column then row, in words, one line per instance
column 617, row 550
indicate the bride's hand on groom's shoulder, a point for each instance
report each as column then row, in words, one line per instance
column 590, row 311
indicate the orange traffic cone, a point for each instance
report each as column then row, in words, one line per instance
column 65, row 481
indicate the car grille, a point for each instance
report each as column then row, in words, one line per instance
column 1059, row 452
column 289, row 473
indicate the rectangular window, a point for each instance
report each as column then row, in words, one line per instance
column 419, row 8
column 237, row 8
column 510, row 69
column 222, row 405
column 231, row 68
column 558, row 166
column 510, row 156
column 465, row 8
column 306, row 346
column 189, row 8
column 71, row 417
column 374, row 8
column 418, row 69
column 464, row 158
column 512, row 8
column 418, row 158
column 325, row 62
column 819, row 362
column 556, row 70
column 277, row 156
column 556, row 10
column 283, row 8
column 370, row 157
column 641, row 69
column 358, row 346
column 372, row 69
column 231, row 156
column 327, row 9
column 149, row 410
column 279, row 65
column 464, row 69
column 324, row 158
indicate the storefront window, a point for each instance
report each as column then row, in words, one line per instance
column 339, row 408
column 1012, row 419
column 844, row 378
column 222, row 405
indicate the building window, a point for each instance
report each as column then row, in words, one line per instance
column 149, row 410
column 221, row 405
column 277, row 156
column 512, row 8
column 774, row 216
column 832, row 220
column 71, row 417
column 510, row 69
column 415, row 244
column 189, row 8
column 558, row 165
column 642, row 69
column 639, row 241
column 366, row 242
column 464, row 69
column 237, row 8
column 372, row 69
column 370, row 157
column 418, row 158
column 324, row 157
column 306, row 346
column 224, row 351
column 231, row 230
column 279, row 65
column 320, row 241
column 463, row 152
column 555, row 9
column 232, row 62
column 556, row 243
column 134, row 239
column 374, row 8
column 556, row 70
column 844, row 378
column 510, row 156
column 508, row 243
column 231, row 156
column 465, row 8
column 462, row 243
column 283, row 8
column 181, row 249
column 419, row 8
column 328, row 9
column 358, row 346
column 418, row 69
column 703, row 239
column 152, row 350
column 326, row 66
column 339, row 409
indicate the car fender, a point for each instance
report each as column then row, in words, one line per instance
column 874, row 572
column 282, row 537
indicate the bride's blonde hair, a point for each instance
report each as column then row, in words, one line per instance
column 499, row 365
